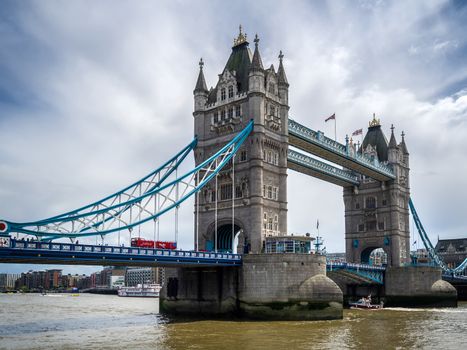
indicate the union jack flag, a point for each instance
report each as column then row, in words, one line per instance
column 357, row 132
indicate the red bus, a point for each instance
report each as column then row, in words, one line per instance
column 146, row 243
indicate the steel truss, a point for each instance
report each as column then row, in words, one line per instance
column 145, row 200
column 429, row 247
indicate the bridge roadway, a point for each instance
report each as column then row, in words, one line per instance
column 314, row 142
column 18, row 251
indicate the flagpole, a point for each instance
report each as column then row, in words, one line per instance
column 335, row 128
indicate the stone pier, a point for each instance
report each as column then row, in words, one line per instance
column 267, row 286
column 420, row 286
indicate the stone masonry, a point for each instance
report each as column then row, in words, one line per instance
column 377, row 213
column 244, row 91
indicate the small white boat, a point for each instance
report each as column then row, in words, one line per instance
column 141, row 290
column 365, row 303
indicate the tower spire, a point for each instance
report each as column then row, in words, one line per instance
column 256, row 62
column 392, row 141
column 403, row 145
column 201, row 82
column 281, row 77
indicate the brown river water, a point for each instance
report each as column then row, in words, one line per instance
column 61, row 321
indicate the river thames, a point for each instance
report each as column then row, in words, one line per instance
column 62, row 321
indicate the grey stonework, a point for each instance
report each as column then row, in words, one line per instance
column 266, row 286
column 219, row 114
column 376, row 213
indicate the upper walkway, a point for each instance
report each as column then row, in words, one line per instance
column 316, row 143
column 316, row 168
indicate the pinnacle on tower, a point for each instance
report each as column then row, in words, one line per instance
column 256, row 62
column 201, row 82
column 403, row 145
column 282, row 78
column 241, row 37
column 392, row 141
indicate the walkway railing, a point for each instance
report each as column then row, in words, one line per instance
column 373, row 273
column 318, row 138
column 321, row 167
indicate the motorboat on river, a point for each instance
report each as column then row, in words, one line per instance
column 365, row 303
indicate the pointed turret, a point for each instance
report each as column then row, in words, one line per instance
column 201, row 82
column 403, row 146
column 256, row 71
column 256, row 62
column 393, row 150
column 201, row 90
column 392, row 141
column 281, row 77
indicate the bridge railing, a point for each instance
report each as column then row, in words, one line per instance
column 336, row 147
column 353, row 266
column 85, row 248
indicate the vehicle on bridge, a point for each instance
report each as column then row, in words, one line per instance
column 146, row 243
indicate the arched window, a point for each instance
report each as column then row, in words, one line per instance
column 230, row 91
column 271, row 88
column 370, row 203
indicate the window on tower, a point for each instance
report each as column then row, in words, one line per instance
column 272, row 110
column 238, row 191
column 272, row 88
column 243, row 155
column 230, row 91
column 237, row 111
column 370, row 203
column 226, row 191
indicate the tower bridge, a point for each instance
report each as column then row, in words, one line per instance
column 244, row 143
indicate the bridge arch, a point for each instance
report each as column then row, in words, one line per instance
column 378, row 253
column 225, row 232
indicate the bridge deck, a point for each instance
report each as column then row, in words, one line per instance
column 80, row 254
column 317, row 144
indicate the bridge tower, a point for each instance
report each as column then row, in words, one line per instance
column 257, row 178
column 377, row 213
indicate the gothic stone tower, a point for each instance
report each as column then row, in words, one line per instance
column 376, row 213
column 245, row 91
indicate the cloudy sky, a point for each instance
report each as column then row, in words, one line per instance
column 95, row 95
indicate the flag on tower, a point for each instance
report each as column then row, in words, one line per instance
column 332, row 117
column 357, row 132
